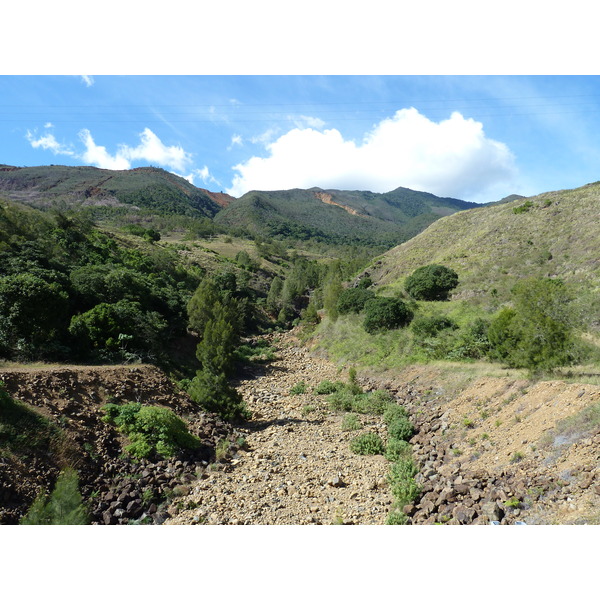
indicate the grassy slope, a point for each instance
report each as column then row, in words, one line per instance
column 492, row 247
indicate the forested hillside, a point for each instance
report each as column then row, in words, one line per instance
column 339, row 217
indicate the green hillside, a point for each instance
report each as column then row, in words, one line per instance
column 147, row 188
column 339, row 217
column 493, row 247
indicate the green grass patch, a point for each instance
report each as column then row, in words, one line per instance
column 298, row 388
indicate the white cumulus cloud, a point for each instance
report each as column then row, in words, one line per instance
column 150, row 150
column 452, row 157
column 203, row 173
column 48, row 142
column 236, row 140
column 99, row 155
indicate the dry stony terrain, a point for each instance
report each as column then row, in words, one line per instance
column 495, row 452
column 499, row 450
column 296, row 467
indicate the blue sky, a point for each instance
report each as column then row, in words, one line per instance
column 435, row 96
column 473, row 137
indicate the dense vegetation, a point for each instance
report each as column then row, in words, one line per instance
column 68, row 291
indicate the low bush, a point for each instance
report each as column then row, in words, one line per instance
column 430, row 326
column 400, row 429
column 374, row 403
column 367, row 443
column 152, row 430
column 353, row 300
column 394, row 412
column 386, row 313
column 397, row 450
column 402, row 483
column 328, row 387
column 351, row 422
column 342, row 400
column 396, row 517
column 298, row 388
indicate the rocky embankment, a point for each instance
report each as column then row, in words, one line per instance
column 120, row 490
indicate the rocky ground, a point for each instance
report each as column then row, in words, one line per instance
column 296, row 466
column 486, row 455
column 498, row 451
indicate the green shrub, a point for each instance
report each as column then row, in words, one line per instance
column 432, row 282
column 342, row 400
column 32, row 312
column 152, row 430
column 397, row 450
column 374, row 403
column 298, row 388
column 212, row 392
column 401, row 479
column 523, row 208
column 537, row 334
column 400, row 429
column 396, row 517
column 120, row 329
column 63, row 507
column 367, row 443
column 430, row 326
column 394, row 412
column 365, row 282
column 386, row 313
column 351, row 422
column 353, row 300
column 328, row 387
column 472, row 342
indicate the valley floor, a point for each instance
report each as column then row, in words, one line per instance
column 486, row 454
column 297, row 467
